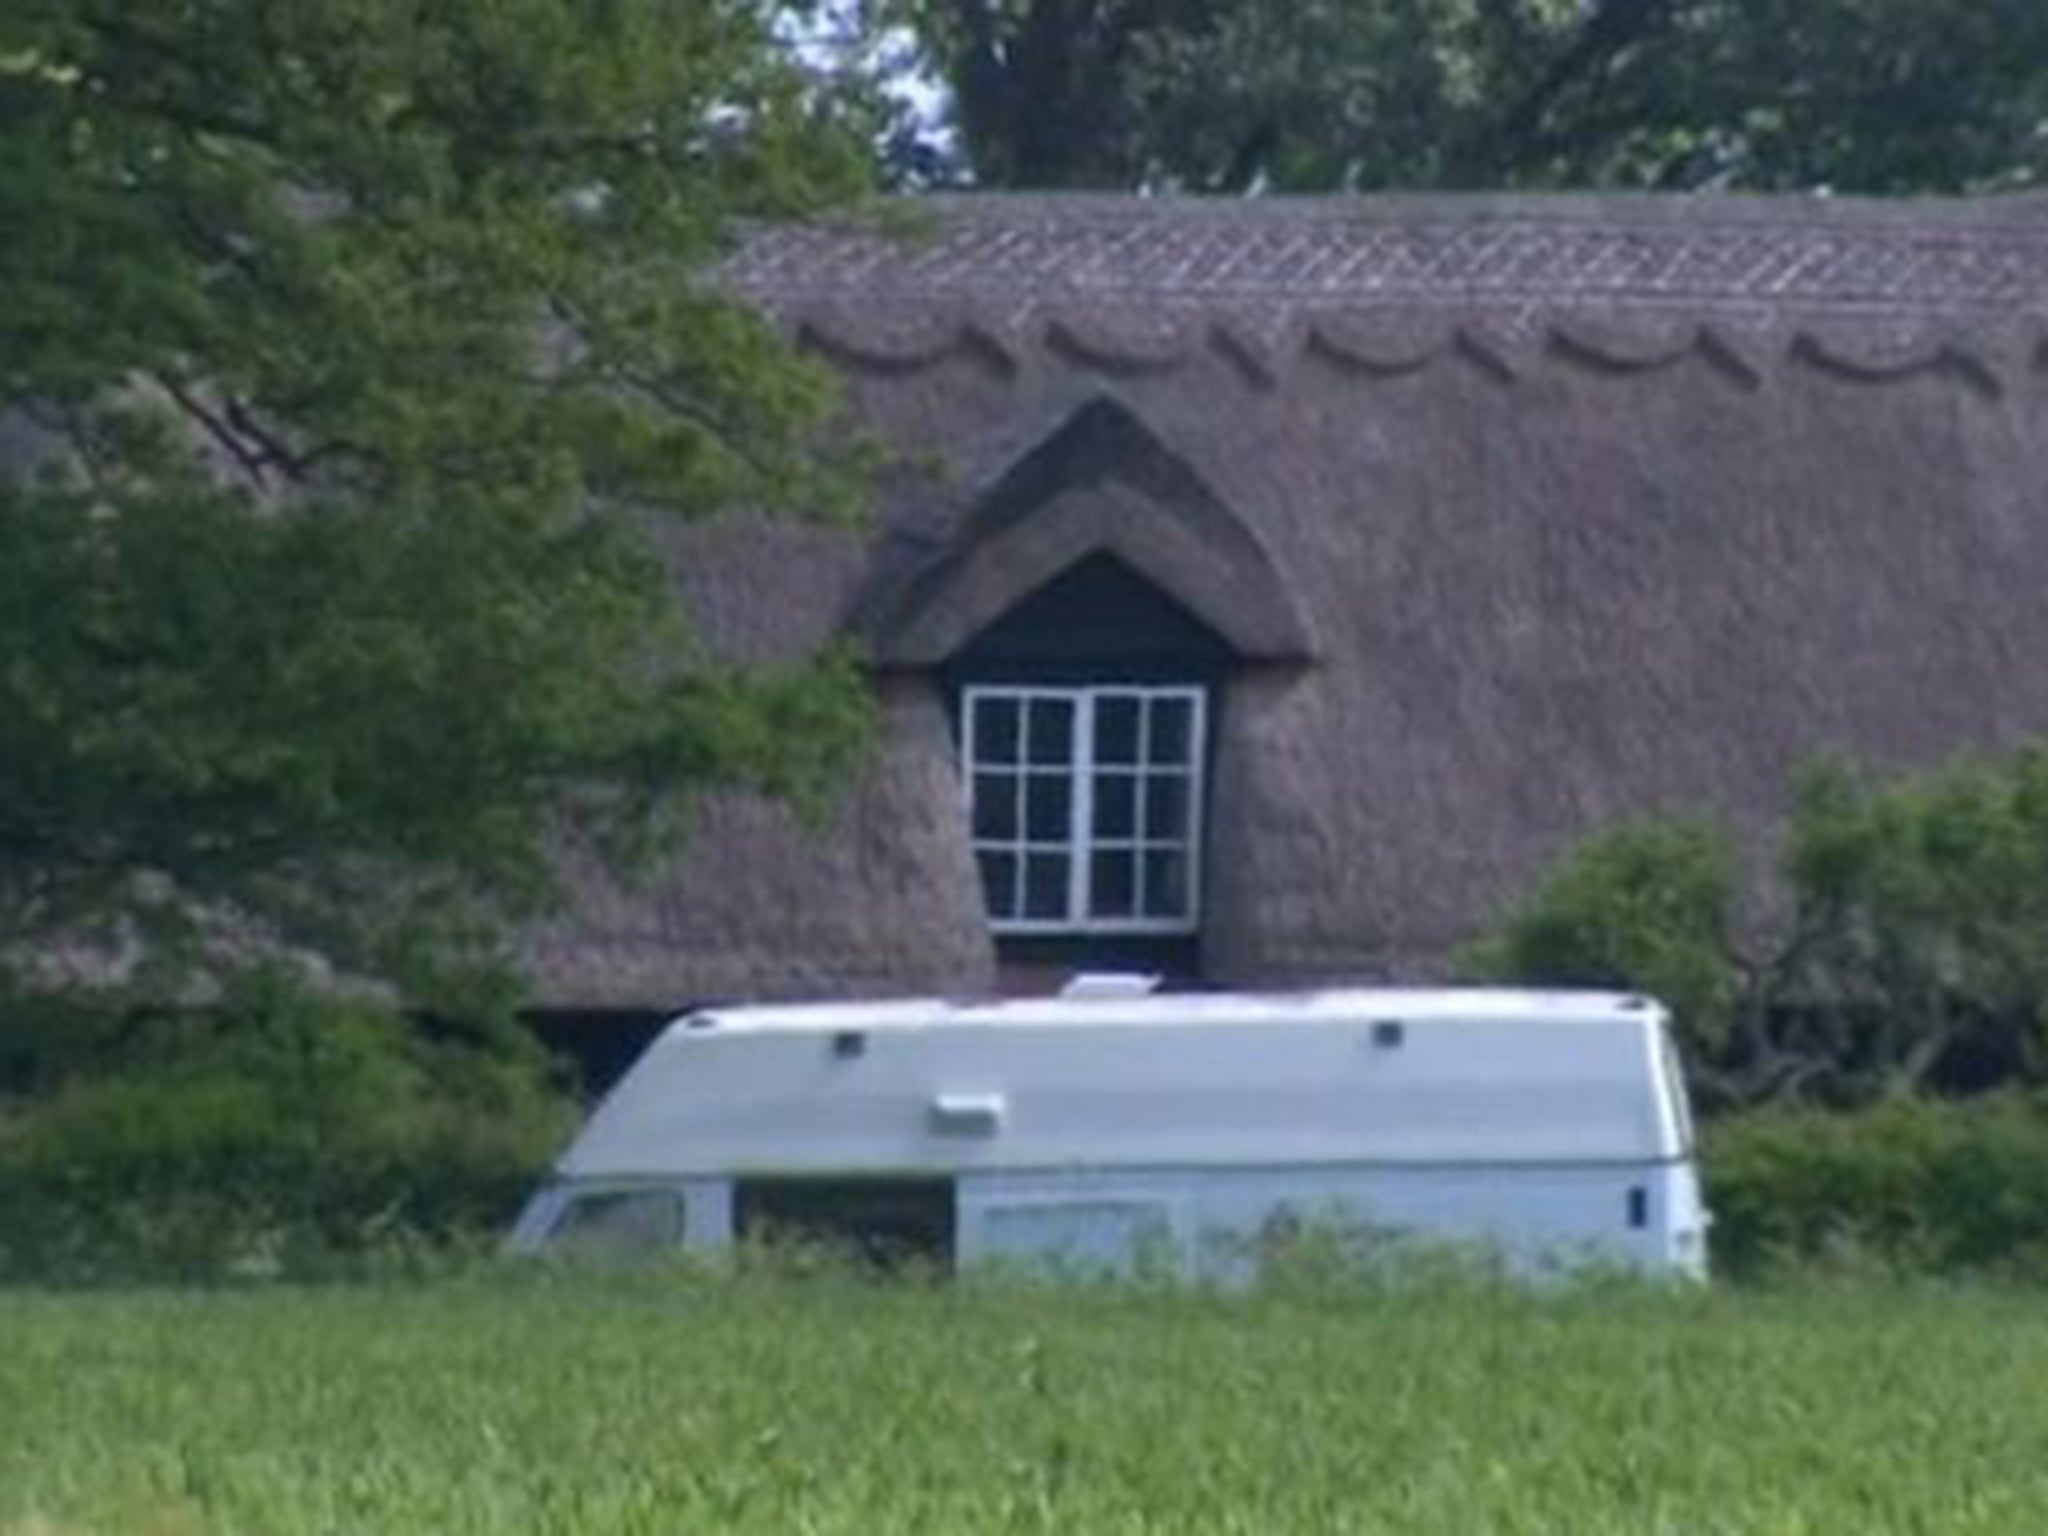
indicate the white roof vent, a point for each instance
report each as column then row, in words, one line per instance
column 1100, row 984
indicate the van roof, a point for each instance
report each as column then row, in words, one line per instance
column 1407, row 1004
column 1181, row 1080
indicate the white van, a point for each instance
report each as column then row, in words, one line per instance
column 1194, row 1127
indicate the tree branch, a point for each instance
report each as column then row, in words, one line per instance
column 1611, row 27
column 252, row 460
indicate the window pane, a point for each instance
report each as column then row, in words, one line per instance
column 1166, row 882
column 1116, row 730
column 619, row 1224
column 1113, row 884
column 1170, row 741
column 1116, row 806
column 1052, row 731
column 1166, row 806
column 999, row 883
column 1045, row 885
column 995, row 807
column 1138, row 829
column 994, row 729
column 1049, row 808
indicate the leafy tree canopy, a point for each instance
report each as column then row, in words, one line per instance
column 1907, row 948
column 1319, row 95
column 347, row 347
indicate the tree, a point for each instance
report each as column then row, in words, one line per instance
column 1909, row 950
column 1644, row 906
column 1319, row 95
column 349, row 348
column 1044, row 93
column 1919, row 950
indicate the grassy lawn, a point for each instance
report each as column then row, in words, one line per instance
column 637, row 1404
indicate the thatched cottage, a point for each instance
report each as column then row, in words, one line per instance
column 1295, row 579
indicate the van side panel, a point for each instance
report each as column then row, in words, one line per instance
column 707, row 1219
column 1221, row 1222
column 1680, row 1220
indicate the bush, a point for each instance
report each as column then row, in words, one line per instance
column 1642, row 908
column 1918, row 952
column 1912, row 951
column 1911, row 1185
column 275, row 1133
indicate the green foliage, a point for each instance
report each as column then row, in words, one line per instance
column 1324, row 95
column 1645, row 908
column 1919, row 948
column 1911, row 950
column 347, row 345
column 574, row 1403
column 274, row 1133
column 1908, row 1186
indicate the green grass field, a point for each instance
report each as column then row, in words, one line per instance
column 635, row 1404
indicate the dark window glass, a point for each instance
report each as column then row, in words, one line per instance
column 1113, row 884
column 1049, row 808
column 1045, row 885
column 1052, row 732
column 1116, row 806
column 1171, row 728
column 999, row 883
column 1166, row 882
column 883, row 1222
column 1125, row 854
column 995, row 730
column 995, row 807
column 1166, row 806
column 1116, row 730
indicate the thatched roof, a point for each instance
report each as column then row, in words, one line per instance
column 1523, row 515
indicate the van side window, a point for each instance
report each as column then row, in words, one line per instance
column 619, row 1223
column 881, row 1221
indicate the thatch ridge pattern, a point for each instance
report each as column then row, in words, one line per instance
column 1125, row 346
column 1654, row 342
column 891, row 342
column 1880, row 359
column 1379, row 343
column 1130, row 286
column 1985, row 255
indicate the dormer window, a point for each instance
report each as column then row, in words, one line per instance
column 1088, row 615
column 1085, row 805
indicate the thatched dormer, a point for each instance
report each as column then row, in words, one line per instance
column 1428, row 534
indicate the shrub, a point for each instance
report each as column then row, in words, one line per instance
column 276, row 1132
column 1910, row 1185
column 1644, row 907
column 1912, row 951
column 1918, row 954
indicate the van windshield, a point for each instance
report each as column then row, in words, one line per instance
column 619, row 1223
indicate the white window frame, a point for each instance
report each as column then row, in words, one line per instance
column 1080, row 843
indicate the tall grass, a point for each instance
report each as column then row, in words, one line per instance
column 587, row 1404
